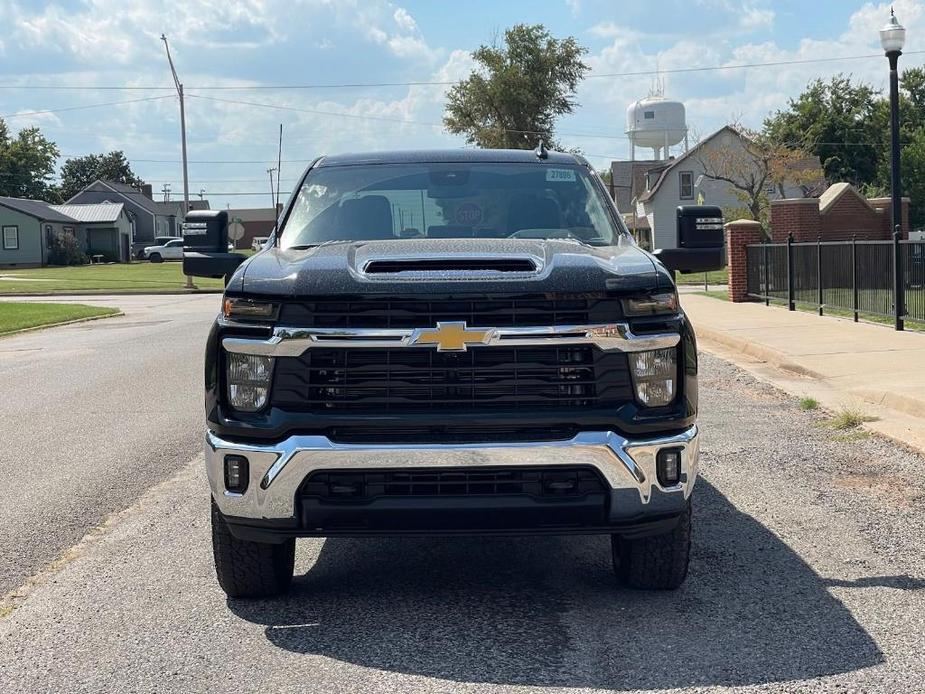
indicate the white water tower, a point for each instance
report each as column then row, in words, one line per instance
column 657, row 123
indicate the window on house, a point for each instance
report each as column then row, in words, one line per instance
column 11, row 238
column 648, row 115
column 686, row 184
column 69, row 230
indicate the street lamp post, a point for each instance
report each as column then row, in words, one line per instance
column 892, row 38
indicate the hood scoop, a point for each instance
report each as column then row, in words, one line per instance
column 392, row 266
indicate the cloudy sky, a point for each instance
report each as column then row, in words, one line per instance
column 229, row 54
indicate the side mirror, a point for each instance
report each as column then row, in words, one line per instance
column 205, row 245
column 700, row 241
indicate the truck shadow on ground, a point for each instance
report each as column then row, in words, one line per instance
column 546, row 611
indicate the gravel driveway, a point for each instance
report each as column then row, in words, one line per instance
column 807, row 576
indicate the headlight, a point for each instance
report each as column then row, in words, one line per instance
column 651, row 305
column 248, row 381
column 655, row 376
column 246, row 308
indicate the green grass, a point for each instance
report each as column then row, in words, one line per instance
column 27, row 314
column 847, row 418
column 809, row 404
column 713, row 277
column 83, row 279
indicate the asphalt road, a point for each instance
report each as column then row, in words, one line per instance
column 807, row 575
column 94, row 414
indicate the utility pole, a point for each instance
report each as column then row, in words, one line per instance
column 202, row 192
column 179, row 86
column 166, row 191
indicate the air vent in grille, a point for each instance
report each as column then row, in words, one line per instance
column 409, row 380
column 536, row 482
column 495, row 311
column 374, row 267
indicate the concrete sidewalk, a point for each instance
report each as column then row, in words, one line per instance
column 838, row 362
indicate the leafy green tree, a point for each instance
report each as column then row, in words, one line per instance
column 27, row 164
column 838, row 121
column 518, row 90
column 79, row 172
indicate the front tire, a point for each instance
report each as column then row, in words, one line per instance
column 250, row 569
column 657, row 562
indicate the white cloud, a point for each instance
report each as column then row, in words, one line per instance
column 753, row 18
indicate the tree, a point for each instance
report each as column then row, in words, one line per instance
column 513, row 98
column 78, row 173
column 838, row 121
column 756, row 165
column 27, row 163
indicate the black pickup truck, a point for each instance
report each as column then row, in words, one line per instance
column 450, row 342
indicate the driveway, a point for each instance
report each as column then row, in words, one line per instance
column 93, row 415
column 807, row 575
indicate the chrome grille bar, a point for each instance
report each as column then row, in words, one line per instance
column 293, row 342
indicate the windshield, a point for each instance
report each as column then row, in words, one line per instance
column 407, row 201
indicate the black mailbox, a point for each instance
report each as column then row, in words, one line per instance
column 700, row 244
column 206, row 231
column 205, row 245
column 700, row 226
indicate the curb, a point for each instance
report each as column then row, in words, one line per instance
column 900, row 403
column 60, row 323
column 768, row 354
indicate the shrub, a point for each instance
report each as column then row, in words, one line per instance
column 63, row 250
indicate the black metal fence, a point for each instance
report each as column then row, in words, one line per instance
column 854, row 276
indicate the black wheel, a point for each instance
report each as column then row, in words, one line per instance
column 657, row 562
column 155, row 258
column 250, row 569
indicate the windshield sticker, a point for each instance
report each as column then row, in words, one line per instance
column 560, row 175
column 469, row 214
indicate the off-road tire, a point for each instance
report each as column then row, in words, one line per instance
column 250, row 569
column 657, row 562
column 155, row 258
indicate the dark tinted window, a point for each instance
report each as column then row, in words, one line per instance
column 392, row 201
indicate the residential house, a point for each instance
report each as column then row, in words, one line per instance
column 103, row 228
column 658, row 188
column 152, row 218
column 27, row 228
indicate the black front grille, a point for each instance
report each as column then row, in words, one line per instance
column 424, row 312
column 411, row 379
column 422, row 482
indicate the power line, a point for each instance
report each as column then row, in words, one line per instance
column 86, row 106
column 439, row 83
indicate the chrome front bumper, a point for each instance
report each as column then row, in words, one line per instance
column 278, row 469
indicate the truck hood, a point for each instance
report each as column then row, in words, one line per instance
column 449, row 266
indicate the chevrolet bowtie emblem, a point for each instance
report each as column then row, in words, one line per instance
column 451, row 337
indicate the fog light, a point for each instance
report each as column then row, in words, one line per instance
column 237, row 473
column 668, row 466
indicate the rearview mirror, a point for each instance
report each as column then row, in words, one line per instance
column 700, row 241
column 205, row 245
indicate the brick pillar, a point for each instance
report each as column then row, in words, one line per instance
column 797, row 216
column 739, row 234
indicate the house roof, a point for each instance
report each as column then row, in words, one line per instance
column 629, row 181
column 92, row 212
column 649, row 194
column 36, row 208
column 128, row 192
